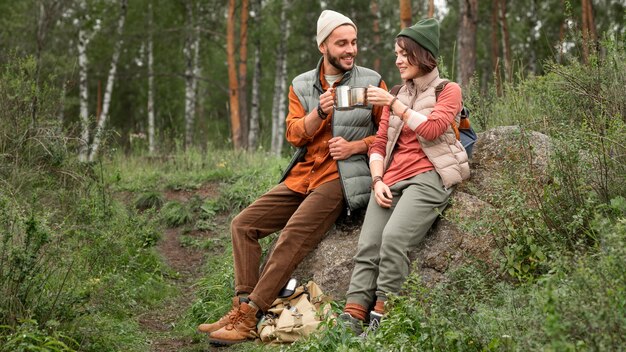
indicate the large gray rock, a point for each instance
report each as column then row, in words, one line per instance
column 448, row 245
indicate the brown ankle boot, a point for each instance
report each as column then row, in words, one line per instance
column 209, row 328
column 242, row 326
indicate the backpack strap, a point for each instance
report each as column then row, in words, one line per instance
column 438, row 89
column 395, row 89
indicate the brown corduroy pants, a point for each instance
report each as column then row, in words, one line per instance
column 304, row 219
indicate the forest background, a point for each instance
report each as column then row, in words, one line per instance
column 120, row 120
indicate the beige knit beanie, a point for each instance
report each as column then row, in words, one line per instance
column 328, row 21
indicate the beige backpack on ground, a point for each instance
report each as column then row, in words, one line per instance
column 296, row 316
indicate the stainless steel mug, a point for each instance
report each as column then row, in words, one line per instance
column 342, row 98
column 348, row 98
column 358, row 96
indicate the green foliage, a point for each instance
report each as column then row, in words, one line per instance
column 577, row 106
column 28, row 337
column 175, row 214
column 68, row 251
column 27, row 265
column 148, row 200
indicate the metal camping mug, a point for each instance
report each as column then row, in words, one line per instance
column 358, row 96
column 348, row 98
column 342, row 98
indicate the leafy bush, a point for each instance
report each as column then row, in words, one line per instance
column 578, row 108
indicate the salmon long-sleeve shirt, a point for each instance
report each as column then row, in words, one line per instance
column 318, row 166
column 408, row 158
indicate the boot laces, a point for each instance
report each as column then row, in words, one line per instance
column 237, row 317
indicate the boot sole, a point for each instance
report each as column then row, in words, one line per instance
column 218, row 342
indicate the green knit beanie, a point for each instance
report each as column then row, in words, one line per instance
column 425, row 33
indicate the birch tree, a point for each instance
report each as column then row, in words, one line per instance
column 191, row 53
column 85, row 34
column 150, row 107
column 97, row 139
column 253, row 131
column 280, row 85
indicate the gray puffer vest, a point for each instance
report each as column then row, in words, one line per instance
column 352, row 125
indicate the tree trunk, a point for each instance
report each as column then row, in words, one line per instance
column 110, row 80
column 243, row 72
column 467, row 40
column 375, row 11
column 49, row 12
column 431, row 8
column 495, row 47
column 40, row 35
column 280, row 84
column 562, row 30
column 61, row 113
column 405, row 13
column 151, row 142
column 506, row 47
column 253, row 132
column 588, row 30
column 191, row 69
column 531, row 53
column 591, row 22
column 233, row 84
column 83, row 87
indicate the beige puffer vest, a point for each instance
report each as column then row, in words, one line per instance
column 445, row 152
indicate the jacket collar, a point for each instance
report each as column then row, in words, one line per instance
column 419, row 84
column 319, row 72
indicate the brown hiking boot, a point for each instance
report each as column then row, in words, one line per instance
column 209, row 328
column 242, row 326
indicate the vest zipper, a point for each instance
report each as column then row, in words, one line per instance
column 343, row 188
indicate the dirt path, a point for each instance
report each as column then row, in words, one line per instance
column 187, row 261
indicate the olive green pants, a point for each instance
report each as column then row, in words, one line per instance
column 382, row 262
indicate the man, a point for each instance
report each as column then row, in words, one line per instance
column 328, row 172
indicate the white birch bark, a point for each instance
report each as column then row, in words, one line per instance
column 190, row 51
column 83, row 95
column 282, row 98
column 151, row 142
column 280, row 83
column 83, row 89
column 97, row 139
column 253, row 132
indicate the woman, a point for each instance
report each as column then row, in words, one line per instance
column 415, row 163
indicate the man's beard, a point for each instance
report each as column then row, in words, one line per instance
column 335, row 61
